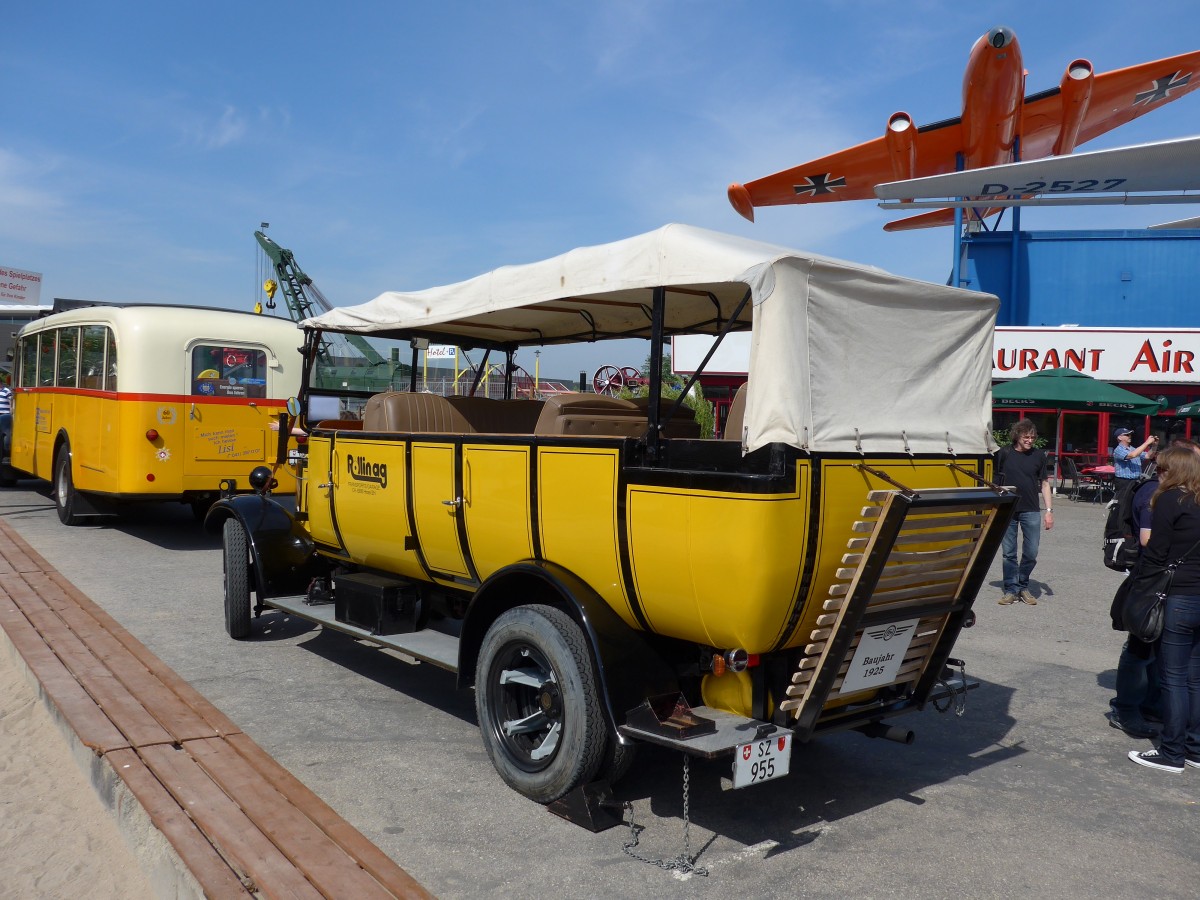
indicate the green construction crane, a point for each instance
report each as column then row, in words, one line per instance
column 352, row 358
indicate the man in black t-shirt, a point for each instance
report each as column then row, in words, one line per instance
column 1024, row 467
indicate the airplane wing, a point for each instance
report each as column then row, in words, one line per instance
column 1172, row 165
column 1117, row 97
column 848, row 174
column 940, row 217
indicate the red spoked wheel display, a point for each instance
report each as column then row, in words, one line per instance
column 632, row 378
column 608, row 380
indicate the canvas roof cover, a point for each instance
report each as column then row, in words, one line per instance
column 844, row 357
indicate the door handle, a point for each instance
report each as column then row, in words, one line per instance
column 456, row 503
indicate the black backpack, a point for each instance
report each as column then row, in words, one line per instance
column 1121, row 532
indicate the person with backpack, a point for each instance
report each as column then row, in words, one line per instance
column 1024, row 467
column 1134, row 709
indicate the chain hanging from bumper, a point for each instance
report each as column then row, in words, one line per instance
column 684, row 862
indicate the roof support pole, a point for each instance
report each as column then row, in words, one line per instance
column 658, row 318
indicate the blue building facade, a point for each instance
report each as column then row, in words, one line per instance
column 1120, row 305
column 1129, row 279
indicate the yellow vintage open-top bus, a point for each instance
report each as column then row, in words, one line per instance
column 148, row 402
column 601, row 574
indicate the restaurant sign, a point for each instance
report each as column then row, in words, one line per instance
column 1110, row 354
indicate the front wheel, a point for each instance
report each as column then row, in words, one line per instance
column 235, row 558
column 65, row 498
column 538, row 707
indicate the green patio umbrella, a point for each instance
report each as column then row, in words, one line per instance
column 1189, row 410
column 1067, row 389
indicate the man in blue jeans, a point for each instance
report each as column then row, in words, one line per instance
column 1023, row 466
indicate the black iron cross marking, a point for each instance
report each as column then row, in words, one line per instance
column 1162, row 88
column 815, row 185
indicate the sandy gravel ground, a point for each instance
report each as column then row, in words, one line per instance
column 56, row 838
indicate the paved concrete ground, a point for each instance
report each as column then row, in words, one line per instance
column 1028, row 792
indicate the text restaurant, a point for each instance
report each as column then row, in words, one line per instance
column 1163, row 366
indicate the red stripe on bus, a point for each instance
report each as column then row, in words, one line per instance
column 157, row 398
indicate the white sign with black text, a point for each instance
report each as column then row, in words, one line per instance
column 880, row 652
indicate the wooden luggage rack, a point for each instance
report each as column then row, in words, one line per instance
column 916, row 556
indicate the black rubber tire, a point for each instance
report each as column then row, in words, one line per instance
column 618, row 760
column 64, row 488
column 545, row 645
column 235, row 560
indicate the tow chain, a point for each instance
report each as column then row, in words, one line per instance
column 684, row 862
column 957, row 698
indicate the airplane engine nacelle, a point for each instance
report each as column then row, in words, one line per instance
column 1076, row 92
column 900, row 138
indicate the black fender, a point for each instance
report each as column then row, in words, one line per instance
column 283, row 556
column 627, row 667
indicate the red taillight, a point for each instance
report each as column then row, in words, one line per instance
column 149, row 476
column 152, row 435
column 302, row 439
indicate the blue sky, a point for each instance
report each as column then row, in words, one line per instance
column 396, row 146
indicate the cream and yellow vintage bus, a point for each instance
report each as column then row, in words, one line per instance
column 148, row 402
column 599, row 573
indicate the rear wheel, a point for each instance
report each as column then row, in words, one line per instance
column 64, row 488
column 236, row 560
column 538, row 707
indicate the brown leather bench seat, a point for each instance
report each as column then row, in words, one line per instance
column 498, row 416
column 413, row 413
column 590, row 415
column 410, row 413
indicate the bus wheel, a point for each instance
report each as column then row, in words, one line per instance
column 537, row 703
column 64, row 488
column 236, row 561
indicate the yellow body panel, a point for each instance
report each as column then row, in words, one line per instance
column 198, row 444
column 369, row 487
column 496, row 505
column 718, row 568
column 316, row 489
column 577, row 514
column 436, row 508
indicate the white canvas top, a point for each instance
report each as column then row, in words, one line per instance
column 844, row 357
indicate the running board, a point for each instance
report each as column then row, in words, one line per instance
column 427, row 645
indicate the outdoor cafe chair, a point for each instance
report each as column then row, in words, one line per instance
column 1082, row 484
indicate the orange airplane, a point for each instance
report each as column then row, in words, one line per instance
column 998, row 125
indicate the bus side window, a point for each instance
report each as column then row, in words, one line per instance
column 29, row 360
column 110, row 364
column 91, row 358
column 68, row 357
column 47, row 357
